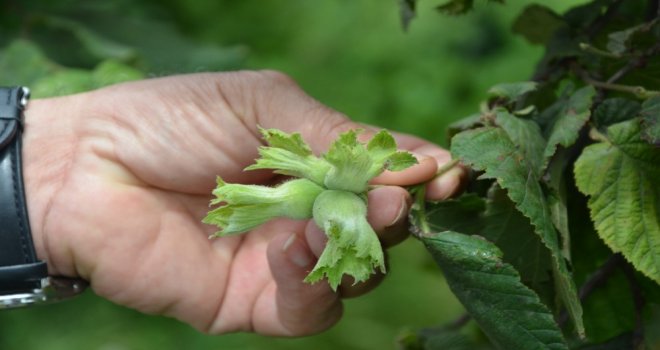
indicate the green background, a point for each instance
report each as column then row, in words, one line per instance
column 351, row 55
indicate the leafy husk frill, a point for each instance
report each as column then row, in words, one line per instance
column 331, row 189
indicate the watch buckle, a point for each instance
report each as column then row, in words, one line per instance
column 52, row 289
column 25, row 96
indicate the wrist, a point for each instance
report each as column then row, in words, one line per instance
column 48, row 148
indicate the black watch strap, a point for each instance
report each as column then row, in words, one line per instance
column 24, row 280
column 19, row 268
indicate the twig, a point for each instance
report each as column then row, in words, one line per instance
column 459, row 322
column 635, row 63
column 596, row 280
column 638, row 91
column 600, row 276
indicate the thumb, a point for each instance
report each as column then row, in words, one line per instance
column 276, row 101
column 302, row 308
column 280, row 103
column 273, row 100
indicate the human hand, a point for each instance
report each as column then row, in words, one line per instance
column 119, row 179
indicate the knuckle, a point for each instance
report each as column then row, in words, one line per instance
column 334, row 124
column 276, row 77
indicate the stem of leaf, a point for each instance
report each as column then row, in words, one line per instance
column 445, row 168
column 596, row 280
column 592, row 49
column 596, row 135
column 419, row 209
column 459, row 322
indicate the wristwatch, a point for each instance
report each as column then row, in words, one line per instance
column 24, row 280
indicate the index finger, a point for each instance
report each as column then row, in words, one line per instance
column 431, row 158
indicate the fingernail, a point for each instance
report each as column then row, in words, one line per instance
column 403, row 210
column 296, row 251
column 420, row 157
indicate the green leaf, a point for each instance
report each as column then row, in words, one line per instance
column 510, row 314
column 547, row 116
column 99, row 46
column 557, row 178
column 469, row 122
column 537, row 24
column 609, row 309
column 407, row 12
column 651, row 120
column 456, row 7
column 615, row 110
column 244, row 207
column 583, row 15
column 67, row 81
column 100, row 31
column 561, row 45
column 622, row 179
column 112, row 72
column 513, row 233
column 23, row 63
column 353, row 247
column 435, row 339
column 634, row 40
column 566, row 128
column 525, row 134
column 63, row 82
column 559, row 213
column 462, row 214
column 511, row 91
column 618, row 41
column 492, row 151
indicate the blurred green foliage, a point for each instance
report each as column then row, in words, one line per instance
column 351, row 55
